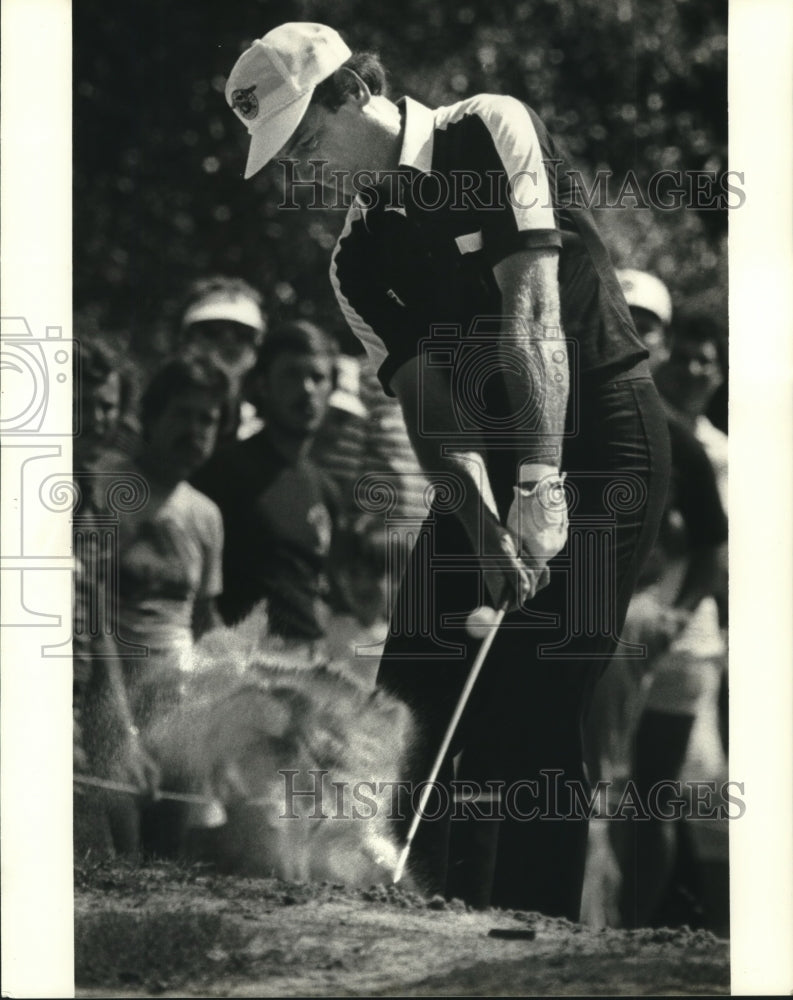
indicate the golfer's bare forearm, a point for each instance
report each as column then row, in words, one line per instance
column 532, row 327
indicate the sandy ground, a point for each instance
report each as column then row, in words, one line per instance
column 174, row 930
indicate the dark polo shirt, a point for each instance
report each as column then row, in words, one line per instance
column 278, row 520
column 477, row 182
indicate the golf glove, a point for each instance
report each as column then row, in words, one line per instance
column 538, row 514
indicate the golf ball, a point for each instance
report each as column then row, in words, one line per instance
column 480, row 621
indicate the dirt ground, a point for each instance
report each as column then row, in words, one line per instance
column 173, row 930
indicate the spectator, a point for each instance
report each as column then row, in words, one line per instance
column 359, row 625
column 171, row 550
column 689, row 379
column 650, row 304
column 690, row 382
column 104, row 386
column 693, row 477
column 357, row 440
column 106, row 740
column 674, row 615
column 223, row 321
column 338, row 447
column 364, row 434
column 279, row 509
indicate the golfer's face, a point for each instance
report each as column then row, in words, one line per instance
column 336, row 139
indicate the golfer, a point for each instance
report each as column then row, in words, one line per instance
column 488, row 303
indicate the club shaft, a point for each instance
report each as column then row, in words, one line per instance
column 462, row 701
column 127, row 789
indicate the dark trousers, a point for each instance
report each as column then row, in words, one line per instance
column 520, row 739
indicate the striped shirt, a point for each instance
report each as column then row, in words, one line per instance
column 353, row 447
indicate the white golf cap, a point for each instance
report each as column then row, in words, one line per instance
column 225, row 305
column 643, row 290
column 271, row 83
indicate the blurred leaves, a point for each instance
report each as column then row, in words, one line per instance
column 158, row 157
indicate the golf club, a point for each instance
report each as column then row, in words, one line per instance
column 487, row 642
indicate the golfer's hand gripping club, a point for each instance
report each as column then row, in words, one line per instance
column 537, row 517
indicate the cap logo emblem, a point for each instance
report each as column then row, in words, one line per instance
column 244, row 102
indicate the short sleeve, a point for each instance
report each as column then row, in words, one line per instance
column 523, row 216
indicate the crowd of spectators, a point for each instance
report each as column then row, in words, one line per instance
column 247, row 444
column 661, row 717
column 250, row 442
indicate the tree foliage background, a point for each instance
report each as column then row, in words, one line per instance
column 159, row 197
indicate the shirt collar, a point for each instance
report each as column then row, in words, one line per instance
column 417, row 141
column 418, row 138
